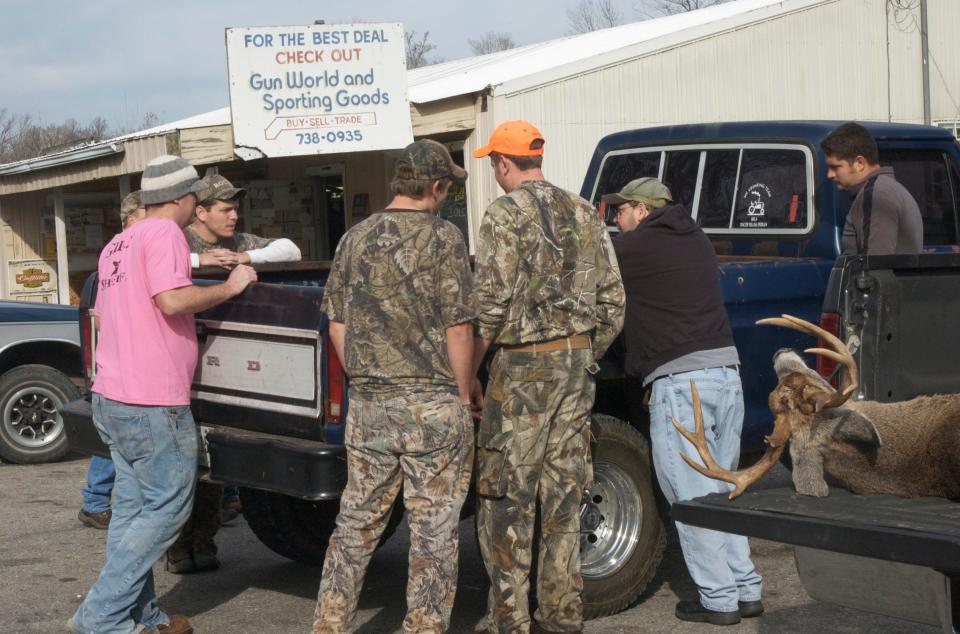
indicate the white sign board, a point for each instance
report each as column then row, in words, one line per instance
column 319, row 89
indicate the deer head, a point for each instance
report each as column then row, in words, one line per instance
column 798, row 397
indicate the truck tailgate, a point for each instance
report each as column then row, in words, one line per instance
column 919, row 531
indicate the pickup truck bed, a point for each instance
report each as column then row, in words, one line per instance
column 920, row 531
column 864, row 533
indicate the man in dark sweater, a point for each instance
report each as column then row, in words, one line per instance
column 884, row 217
column 676, row 331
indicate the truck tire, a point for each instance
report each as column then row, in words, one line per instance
column 31, row 429
column 298, row 529
column 622, row 533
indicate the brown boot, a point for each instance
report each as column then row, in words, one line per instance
column 96, row 519
column 178, row 625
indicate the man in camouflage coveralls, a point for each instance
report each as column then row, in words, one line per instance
column 399, row 300
column 549, row 295
column 214, row 242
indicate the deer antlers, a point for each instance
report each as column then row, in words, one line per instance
column 776, row 441
column 741, row 479
column 838, row 353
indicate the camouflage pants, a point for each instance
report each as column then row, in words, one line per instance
column 425, row 448
column 202, row 526
column 534, row 444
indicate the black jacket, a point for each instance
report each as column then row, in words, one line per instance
column 674, row 305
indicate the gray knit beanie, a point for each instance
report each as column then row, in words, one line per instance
column 167, row 178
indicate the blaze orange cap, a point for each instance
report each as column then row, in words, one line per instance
column 513, row 138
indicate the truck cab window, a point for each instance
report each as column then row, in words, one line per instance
column 680, row 175
column 620, row 169
column 772, row 190
column 932, row 179
column 716, row 190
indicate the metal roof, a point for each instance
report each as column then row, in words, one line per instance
column 534, row 61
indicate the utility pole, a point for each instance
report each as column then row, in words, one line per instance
column 925, row 56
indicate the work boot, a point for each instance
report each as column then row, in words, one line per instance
column 180, row 564
column 750, row 609
column 178, row 625
column 205, row 556
column 96, row 519
column 695, row 612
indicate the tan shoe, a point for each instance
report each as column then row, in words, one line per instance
column 178, row 625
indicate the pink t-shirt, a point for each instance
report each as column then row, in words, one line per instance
column 143, row 356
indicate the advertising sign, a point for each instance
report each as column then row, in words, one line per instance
column 29, row 277
column 319, row 89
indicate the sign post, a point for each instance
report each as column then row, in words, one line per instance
column 318, row 89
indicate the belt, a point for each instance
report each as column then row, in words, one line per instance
column 732, row 366
column 574, row 342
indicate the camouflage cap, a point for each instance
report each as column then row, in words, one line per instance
column 130, row 203
column 427, row 160
column 216, row 187
column 646, row 190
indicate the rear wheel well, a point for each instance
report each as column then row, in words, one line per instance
column 61, row 355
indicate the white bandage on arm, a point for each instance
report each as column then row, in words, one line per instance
column 280, row 250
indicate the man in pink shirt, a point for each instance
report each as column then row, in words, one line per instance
column 146, row 356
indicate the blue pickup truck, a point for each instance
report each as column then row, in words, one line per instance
column 270, row 396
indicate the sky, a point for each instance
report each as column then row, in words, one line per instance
column 119, row 60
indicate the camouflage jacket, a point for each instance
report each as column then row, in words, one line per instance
column 398, row 280
column 545, row 269
column 240, row 242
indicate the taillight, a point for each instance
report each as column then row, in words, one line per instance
column 826, row 367
column 88, row 344
column 335, row 384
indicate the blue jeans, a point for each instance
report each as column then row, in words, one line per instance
column 100, row 476
column 718, row 562
column 154, row 450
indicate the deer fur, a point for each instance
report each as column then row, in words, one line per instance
column 910, row 448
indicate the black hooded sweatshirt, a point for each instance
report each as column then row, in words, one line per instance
column 674, row 305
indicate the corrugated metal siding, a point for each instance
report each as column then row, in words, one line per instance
column 944, row 26
column 136, row 154
column 827, row 61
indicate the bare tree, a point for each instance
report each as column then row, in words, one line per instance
column 670, row 7
column 23, row 138
column 419, row 49
column 591, row 15
column 492, row 42
column 150, row 120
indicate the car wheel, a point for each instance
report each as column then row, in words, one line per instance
column 298, row 529
column 31, row 428
column 622, row 533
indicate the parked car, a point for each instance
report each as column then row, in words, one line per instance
column 39, row 364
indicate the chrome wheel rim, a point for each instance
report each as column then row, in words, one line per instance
column 31, row 417
column 611, row 515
